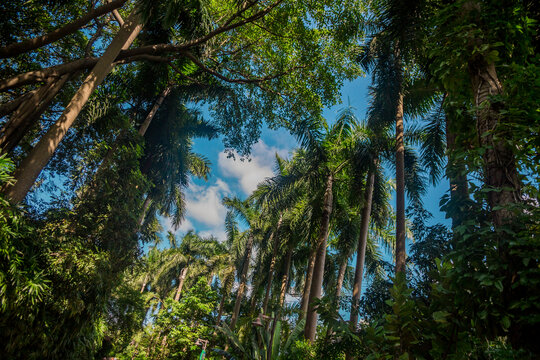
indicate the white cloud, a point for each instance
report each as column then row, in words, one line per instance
column 204, row 205
column 218, row 232
column 250, row 173
column 167, row 225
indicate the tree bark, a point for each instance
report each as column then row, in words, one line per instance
column 318, row 270
column 181, row 280
column 307, row 284
column 146, row 123
column 275, row 236
column 361, row 252
column 285, row 278
column 22, row 112
column 8, row 107
column 500, row 170
column 37, row 42
column 243, row 282
column 400, row 187
column 142, row 129
column 146, row 206
column 145, row 282
column 30, row 112
column 36, row 160
column 341, row 277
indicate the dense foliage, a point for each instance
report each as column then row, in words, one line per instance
column 100, row 105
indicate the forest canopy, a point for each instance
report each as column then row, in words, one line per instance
column 333, row 256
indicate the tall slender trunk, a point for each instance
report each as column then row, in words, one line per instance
column 341, row 277
column 285, row 278
column 40, row 155
column 226, row 287
column 361, row 252
column 243, row 282
column 146, row 206
column 37, row 42
column 142, row 128
column 307, row 283
column 339, row 286
column 275, row 236
column 400, row 185
column 146, row 123
column 181, row 281
column 28, row 114
column 318, row 270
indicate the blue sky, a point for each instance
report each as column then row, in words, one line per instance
column 230, row 177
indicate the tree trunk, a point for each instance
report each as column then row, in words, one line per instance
column 181, row 281
column 361, row 252
column 144, row 210
column 22, row 113
column 10, row 106
column 307, row 284
column 37, row 42
column 275, row 236
column 28, row 114
column 145, row 282
column 36, row 160
column 341, row 277
column 318, row 270
column 499, row 162
column 285, row 278
column 223, row 298
column 146, row 123
column 243, row 281
column 400, row 188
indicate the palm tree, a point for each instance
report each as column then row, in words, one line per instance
column 321, row 164
column 390, row 54
column 246, row 212
column 169, row 159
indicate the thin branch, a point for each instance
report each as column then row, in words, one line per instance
column 37, row 42
column 125, row 55
column 245, row 80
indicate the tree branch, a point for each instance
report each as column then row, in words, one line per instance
column 141, row 53
column 37, row 42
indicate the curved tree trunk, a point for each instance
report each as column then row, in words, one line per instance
column 307, row 284
column 318, row 270
column 37, row 42
column 36, row 160
column 243, row 283
column 275, row 236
